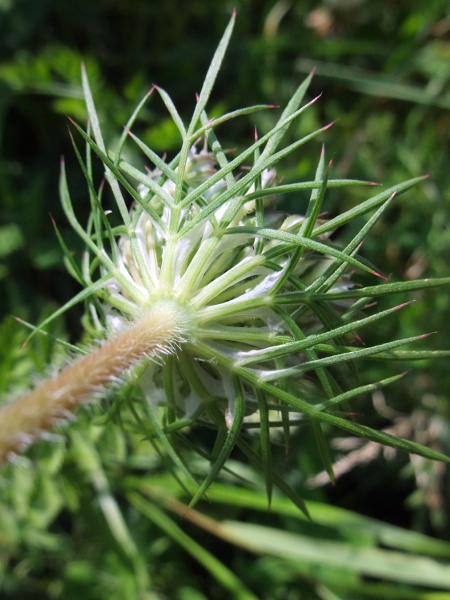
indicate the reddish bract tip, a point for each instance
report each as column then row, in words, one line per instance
column 359, row 339
column 370, row 305
column 354, row 414
column 425, row 335
column 22, row 322
column 70, row 134
column 403, row 304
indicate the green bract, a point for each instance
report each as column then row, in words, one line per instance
column 272, row 312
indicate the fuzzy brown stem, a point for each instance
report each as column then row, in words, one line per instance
column 21, row 421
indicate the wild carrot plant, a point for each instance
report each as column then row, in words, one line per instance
column 224, row 310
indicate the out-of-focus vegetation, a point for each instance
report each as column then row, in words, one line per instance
column 81, row 516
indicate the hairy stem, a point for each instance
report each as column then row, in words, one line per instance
column 160, row 330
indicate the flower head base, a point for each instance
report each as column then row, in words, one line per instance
column 229, row 281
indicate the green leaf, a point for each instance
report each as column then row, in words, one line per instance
column 373, row 291
column 210, row 563
column 368, row 562
column 294, row 240
column 367, row 206
column 231, row 439
column 334, row 360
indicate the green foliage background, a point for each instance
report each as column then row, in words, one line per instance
column 384, row 71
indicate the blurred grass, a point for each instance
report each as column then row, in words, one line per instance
column 384, row 71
